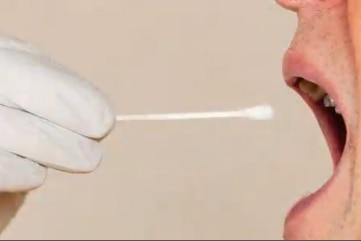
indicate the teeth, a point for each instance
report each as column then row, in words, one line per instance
column 337, row 111
column 317, row 93
column 314, row 91
column 328, row 101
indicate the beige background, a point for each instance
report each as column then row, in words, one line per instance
column 227, row 179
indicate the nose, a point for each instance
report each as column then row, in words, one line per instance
column 292, row 5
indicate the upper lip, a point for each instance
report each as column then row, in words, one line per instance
column 295, row 65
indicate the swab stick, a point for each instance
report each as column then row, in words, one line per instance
column 260, row 112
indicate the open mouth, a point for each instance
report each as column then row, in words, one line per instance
column 323, row 204
column 327, row 113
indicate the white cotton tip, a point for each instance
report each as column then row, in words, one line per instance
column 261, row 112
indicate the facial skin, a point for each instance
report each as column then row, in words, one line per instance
column 327, row 47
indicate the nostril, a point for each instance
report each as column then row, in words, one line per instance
column 289, row 4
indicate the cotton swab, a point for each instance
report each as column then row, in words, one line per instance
column 260, row 112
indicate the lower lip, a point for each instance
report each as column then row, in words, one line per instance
column 302, row 219
column 313, row 216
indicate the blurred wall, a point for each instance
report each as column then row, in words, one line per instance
column 218, row 179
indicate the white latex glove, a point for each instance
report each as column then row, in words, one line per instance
column 49, row 118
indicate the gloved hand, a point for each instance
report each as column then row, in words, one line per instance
column 49, row 118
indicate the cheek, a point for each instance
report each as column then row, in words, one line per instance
column 354, row 21
column 323, row 4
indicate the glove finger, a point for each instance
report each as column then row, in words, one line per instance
column 32, row 81
column 47, row 143
column 18, row 174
